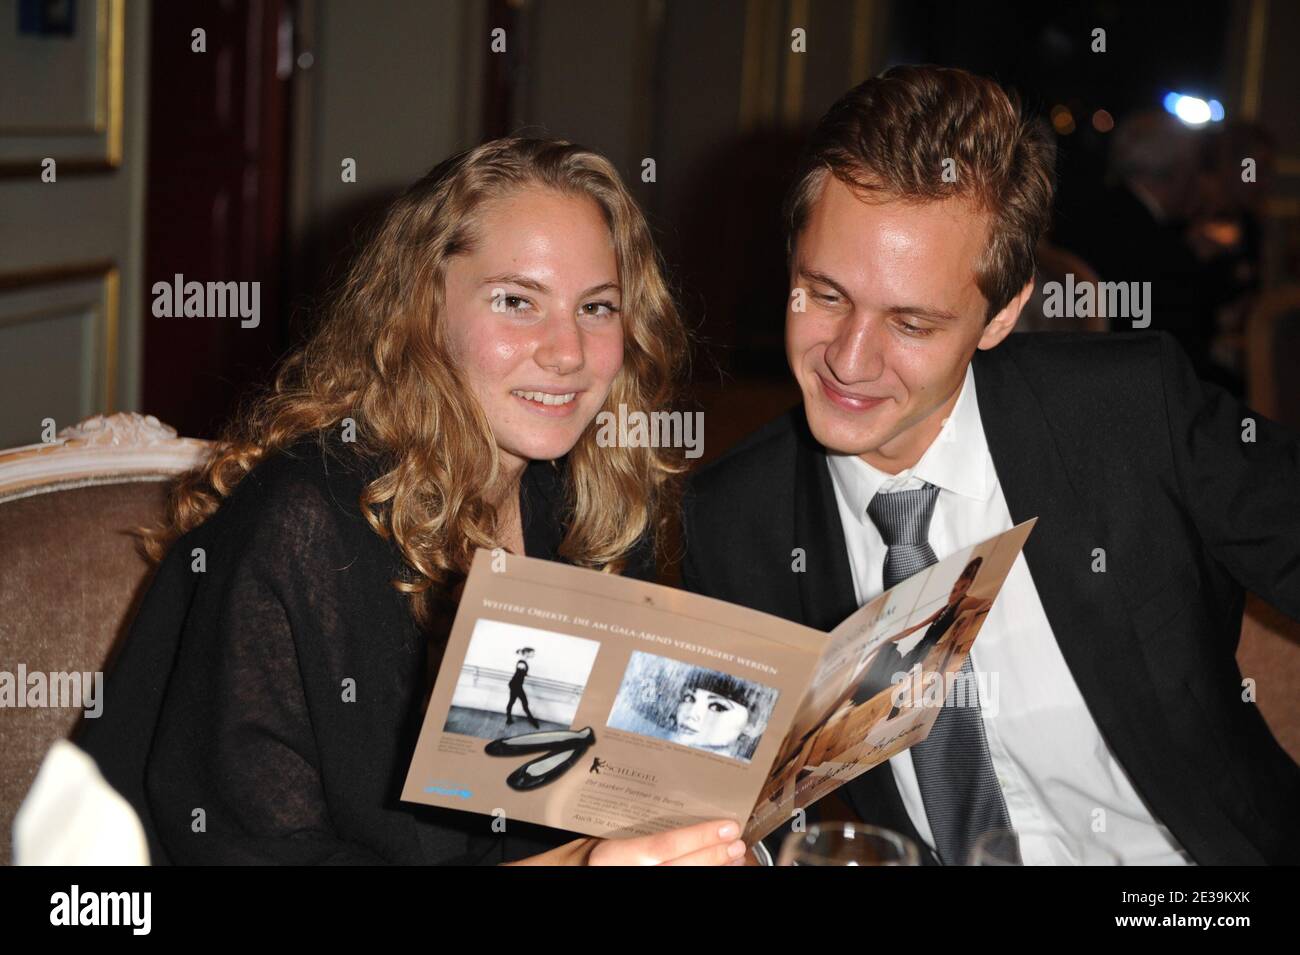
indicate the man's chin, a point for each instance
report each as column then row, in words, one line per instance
column 837, row 438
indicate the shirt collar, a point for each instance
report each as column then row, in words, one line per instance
column 957, row 460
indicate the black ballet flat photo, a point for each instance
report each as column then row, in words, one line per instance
column 545, row 769
column 548, row 741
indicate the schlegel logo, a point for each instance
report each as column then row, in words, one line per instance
column 603, row 767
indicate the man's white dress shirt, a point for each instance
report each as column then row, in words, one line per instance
column 1067, row 796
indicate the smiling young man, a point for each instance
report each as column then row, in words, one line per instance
column 1122, row 731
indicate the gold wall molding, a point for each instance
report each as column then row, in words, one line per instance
column 55, row 142
column 107, row 333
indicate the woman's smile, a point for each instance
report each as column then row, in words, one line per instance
column 548, row 403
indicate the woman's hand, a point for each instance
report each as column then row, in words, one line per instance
column 705, row 843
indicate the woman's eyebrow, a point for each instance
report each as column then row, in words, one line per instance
column 515, row 278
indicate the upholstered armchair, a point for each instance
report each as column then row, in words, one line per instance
column 70, row 571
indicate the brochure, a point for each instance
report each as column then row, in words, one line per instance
column 612, row 707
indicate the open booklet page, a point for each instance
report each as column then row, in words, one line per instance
column 605, row 705
column 609, row 706
column 884, row 674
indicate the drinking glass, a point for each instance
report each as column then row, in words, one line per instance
column 848, row 844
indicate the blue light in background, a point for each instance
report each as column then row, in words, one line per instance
column 1193, row 110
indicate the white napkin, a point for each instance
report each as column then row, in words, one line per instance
column 71, row 816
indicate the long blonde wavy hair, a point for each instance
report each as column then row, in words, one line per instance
column 380, row 357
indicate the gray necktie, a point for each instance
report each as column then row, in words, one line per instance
column 958, row 784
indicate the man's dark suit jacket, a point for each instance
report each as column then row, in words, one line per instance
column 1113, row 443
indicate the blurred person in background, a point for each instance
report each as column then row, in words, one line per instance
column 1138, row 232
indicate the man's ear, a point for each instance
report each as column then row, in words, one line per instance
column 1004, row 321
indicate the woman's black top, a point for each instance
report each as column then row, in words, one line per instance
column 266, row 703
column 521, row 671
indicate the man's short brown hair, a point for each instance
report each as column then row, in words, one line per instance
column 888, row 139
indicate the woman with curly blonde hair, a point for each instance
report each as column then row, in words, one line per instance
column 266, row 703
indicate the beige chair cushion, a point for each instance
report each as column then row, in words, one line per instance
column 70, row 578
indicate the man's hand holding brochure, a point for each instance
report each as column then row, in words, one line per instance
column 613, row 707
